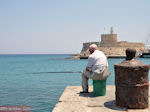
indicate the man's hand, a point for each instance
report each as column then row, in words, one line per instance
column 89, row 69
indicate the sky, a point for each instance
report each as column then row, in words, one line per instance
column 62, row 26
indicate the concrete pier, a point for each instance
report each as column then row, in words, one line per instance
column 72, row 101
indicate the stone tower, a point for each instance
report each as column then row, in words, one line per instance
column 109, row 38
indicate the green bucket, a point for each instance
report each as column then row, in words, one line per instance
column 99, row 87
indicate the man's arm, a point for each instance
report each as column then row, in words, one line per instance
column 90, row 64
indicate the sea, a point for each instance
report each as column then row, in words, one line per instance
column 39, row 80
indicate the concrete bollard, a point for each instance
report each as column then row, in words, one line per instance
column 132, row 82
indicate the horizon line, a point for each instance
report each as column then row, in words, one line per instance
column 40, row 54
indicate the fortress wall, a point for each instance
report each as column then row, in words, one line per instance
column 118, row 50
column 122, row 44
column 87, row 44
column 130, row 44
column 113, row 49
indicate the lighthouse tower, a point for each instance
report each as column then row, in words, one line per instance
column 109, row 38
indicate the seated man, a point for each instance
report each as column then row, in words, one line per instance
column 97, row 64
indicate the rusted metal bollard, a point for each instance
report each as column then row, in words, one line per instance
column 132, row 82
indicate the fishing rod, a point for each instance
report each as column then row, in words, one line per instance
column 59, row 72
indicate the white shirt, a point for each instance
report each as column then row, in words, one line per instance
column 97, row 60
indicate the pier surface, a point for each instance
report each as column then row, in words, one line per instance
column 72, row 101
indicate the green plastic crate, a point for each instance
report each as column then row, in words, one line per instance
column 99, row 87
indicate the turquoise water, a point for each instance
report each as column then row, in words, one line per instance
column 24, row 79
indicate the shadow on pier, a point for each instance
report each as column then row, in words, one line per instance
column 111, row 105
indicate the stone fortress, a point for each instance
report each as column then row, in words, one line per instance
column 111, row 47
